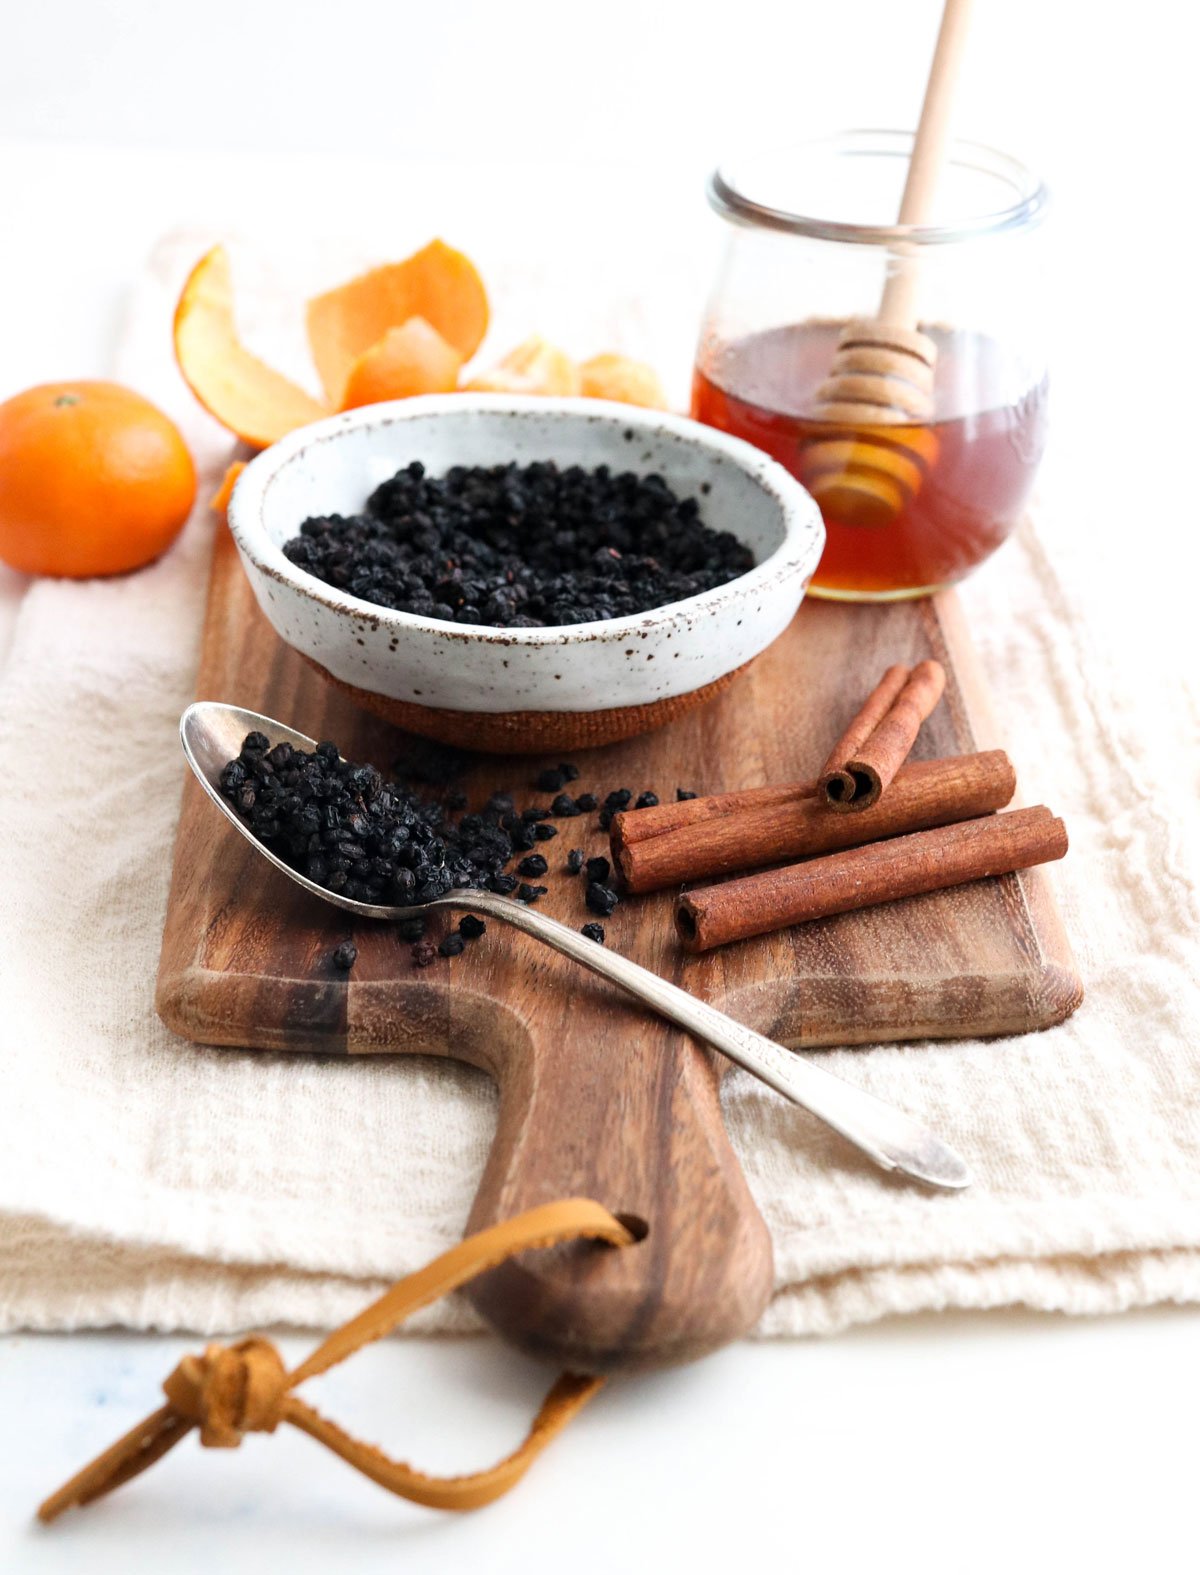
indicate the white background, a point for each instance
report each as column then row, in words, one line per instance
column 959, row 1444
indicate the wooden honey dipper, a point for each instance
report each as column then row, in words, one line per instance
column 882, row 372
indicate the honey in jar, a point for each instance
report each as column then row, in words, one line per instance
column 932, row 500
column 812, row 243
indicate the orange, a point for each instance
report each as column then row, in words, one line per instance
column 411, row 359
column 93, row 480
column 617, row 377
column 534, row 367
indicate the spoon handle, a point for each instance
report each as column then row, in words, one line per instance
column 886, row 1135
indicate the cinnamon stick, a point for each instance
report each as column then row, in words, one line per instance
column 926, row 793
column 861, row 877
column 635, row 825
column 834, row 780
column 878, row 741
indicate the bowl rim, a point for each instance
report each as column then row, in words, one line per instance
column 798, row 551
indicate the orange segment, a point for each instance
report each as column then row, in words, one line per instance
column 242, row 392
column 436, row 283
column 411, row 359
column 534, row 367
column 617, row 377
column 219, row 502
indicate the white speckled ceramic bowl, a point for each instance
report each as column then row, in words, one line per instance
column 524, row 690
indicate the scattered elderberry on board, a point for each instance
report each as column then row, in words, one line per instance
column 520, row 547
column 555, row 777
column 601, row 899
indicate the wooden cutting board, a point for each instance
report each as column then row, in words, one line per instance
column 597, row 1097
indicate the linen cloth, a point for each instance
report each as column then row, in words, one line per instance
column 148, row 1182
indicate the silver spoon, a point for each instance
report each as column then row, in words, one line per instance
column 212, row 734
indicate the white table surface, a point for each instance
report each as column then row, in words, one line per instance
column 956, row 1443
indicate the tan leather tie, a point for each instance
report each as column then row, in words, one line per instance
column 245, row 1388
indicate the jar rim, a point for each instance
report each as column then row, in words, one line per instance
column 728, row 197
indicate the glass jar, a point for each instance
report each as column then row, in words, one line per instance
column 912, row 501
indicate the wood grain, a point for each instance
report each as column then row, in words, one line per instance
column 597, row 1097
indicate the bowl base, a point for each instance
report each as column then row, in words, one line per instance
column 529, row 732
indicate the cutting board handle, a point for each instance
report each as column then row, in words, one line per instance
column 652, row 1147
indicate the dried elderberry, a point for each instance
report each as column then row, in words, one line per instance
column 471, row 926
column 451, row 945
column 601, row 899
column 594, row 932
column 520, row 546
column 345, row 956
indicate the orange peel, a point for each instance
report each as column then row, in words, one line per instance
column 242, row 392
column 408, row 360
column 219, row 502
column 437, row 283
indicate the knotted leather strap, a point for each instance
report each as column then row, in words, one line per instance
column 245, row 1388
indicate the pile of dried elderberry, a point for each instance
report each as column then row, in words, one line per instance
column 521, row 546
column 348, row 829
